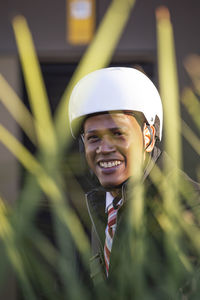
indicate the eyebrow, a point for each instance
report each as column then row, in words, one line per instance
column 107, row 129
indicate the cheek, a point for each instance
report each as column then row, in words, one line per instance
column 134, row 153
column 89, row 155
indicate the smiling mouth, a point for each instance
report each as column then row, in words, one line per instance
column 109, row 164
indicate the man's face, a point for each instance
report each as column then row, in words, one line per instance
column 113, row 144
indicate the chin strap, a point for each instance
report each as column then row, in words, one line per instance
column 151, row 135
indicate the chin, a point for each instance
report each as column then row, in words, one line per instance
column 111, row 186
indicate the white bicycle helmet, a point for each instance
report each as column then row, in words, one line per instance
column 116, row 89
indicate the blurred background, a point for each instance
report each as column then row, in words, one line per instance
column 62, row 31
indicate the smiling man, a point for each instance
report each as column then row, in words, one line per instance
column 118, row 114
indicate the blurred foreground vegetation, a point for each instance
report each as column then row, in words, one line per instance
column 45, row 234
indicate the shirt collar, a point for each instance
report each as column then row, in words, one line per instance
column 109, row 200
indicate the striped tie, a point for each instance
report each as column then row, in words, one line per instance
column 110, row 231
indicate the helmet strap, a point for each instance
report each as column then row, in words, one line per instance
column 149, row 137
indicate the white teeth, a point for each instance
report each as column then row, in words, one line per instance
column 105, row 164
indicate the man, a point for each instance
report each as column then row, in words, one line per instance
column 118, row 114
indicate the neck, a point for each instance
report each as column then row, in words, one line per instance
column 116, row 192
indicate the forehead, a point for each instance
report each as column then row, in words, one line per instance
column 109, row 121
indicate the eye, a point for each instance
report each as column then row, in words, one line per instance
column 92, row 138
column 117, row 133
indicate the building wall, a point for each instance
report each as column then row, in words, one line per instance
column 47, row 21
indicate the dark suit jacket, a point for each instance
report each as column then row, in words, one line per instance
column 154, row 233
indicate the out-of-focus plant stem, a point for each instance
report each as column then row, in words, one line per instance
column 168, row 82
column 191, row 102
column 17, row 109
column 35, row 87
column 8, row 235
column 170, row 97
column 49, row 187
column 191, row 137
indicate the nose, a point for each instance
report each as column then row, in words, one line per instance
column 106, row 146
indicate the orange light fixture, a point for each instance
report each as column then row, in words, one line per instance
column 80, row 21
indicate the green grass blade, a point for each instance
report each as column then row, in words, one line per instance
column 191, row 137
column 17, row 109
column 35, row 86
column 49, row 187
column 168, row 84
column 7, row 234
column 191, row 103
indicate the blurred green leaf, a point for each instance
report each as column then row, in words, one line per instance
column 35, row 87
column 17, row 109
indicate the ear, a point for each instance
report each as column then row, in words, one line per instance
column 149, row 137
